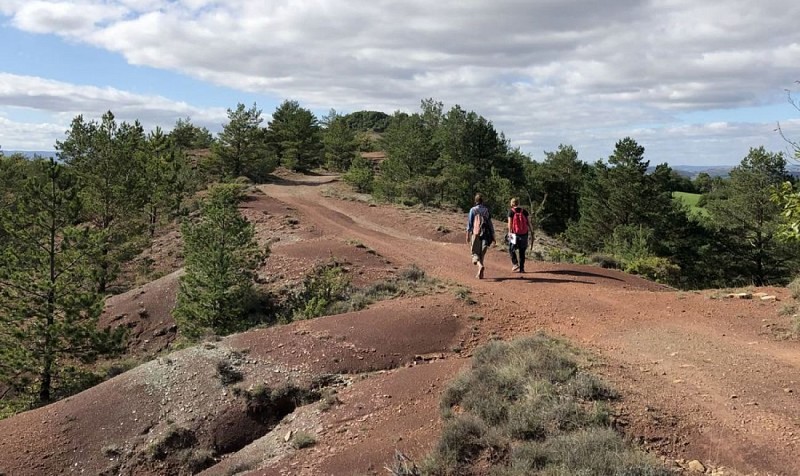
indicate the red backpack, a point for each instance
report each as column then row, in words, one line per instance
column 519, row 222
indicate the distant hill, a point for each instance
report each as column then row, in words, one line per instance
column 32, row 153
column 693, row 171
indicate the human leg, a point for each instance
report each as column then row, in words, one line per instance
column 522, row 247
column 512, row 250
column 482, row 265
column 475, row 248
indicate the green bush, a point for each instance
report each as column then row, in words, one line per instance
column 564, row 255
column 360, row 175
column 660, row 270
column 630, row 243
column 325, row 285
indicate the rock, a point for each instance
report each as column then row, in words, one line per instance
column 696, row 466
column 769, row 298
column 739, row 296
column 288, row 436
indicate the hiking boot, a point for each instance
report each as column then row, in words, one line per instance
column 515, row 268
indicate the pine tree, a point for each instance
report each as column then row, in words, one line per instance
column 339, row 142
column 620, row 194
column 49, row 306
column 240, row 148
column 293, row 135
column 186, row 136
column 560, row 177
column 221, row 257
column 750, row 219
column 107, row 158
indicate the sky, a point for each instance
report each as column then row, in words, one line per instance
column 695, row 83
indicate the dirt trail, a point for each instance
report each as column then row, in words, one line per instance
column 701, row 378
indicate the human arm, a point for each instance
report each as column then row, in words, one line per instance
column 470, row 218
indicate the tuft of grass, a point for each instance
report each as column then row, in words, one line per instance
column 794, row 288
column 302, row 439
column 605, row 261
column 413, row 274
column 328, row 400
column 240, row 468
column 465, row 295
column 795, row 324
column 173, row 439
column 787, row 310
column 111, row 451
column 403, row 466
column 527, row 407
column 228, row 374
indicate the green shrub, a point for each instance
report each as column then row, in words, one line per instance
column 564, row 255
column 660, row 270
column 322, row 287
column 630, row 242
column 360, row 175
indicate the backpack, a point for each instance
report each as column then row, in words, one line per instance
column 479, row 225
column 519, row 223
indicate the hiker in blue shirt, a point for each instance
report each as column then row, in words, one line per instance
column 480, row 233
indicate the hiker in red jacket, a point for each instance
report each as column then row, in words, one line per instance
column 519, row 227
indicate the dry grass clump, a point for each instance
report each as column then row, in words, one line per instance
column 526, row 407
column 794, row 288
column 301, row 440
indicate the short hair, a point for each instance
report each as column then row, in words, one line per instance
column 478, row 198
column 514, row 202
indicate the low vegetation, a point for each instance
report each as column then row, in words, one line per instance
column 527, row 407
column 327, row 290
column 302, row 439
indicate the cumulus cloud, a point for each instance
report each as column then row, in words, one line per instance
column 60, row 102
column 563, row 69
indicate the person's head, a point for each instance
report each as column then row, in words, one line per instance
column 478, row 198
column 514, row 202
